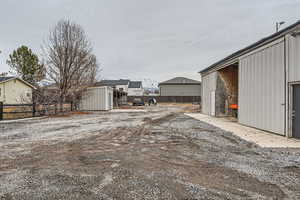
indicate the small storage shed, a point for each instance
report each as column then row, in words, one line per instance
column 97, row 99
column 262, row 83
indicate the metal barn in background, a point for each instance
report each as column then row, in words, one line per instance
column 180, row 86
column 97, row 99
column 260, row 84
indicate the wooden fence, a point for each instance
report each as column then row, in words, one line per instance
column 20, row 111
column 169, row 99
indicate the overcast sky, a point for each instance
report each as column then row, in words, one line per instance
column 147, row 39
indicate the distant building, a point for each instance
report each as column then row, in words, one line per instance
column 120, row 89
column 180, row 86
column 14, row 90
column 121, row 84
column 151, row 92
column 135, row 88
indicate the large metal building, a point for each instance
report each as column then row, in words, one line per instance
column 261, row 81
column 180, row 86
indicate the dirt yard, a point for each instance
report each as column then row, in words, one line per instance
column 156, row 153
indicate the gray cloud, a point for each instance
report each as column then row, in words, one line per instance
column 140, row 39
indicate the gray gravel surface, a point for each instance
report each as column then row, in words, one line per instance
column 158, row 154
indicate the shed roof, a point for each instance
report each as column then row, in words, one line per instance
column 135, row 84
column 113, row 82
column 253, row 46
column 180, row 81
column 8, row 78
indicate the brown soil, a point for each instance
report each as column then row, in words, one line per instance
column 165, row 156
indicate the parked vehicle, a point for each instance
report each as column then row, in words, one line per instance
column 138, row 102
column 152, row 101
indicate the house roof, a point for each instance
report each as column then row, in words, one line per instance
column 113, row 82
column 5, row 78
column 253, row 46
column 180, row 81
column 135, row 84
column 8, row 78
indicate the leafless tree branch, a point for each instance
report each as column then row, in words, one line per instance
column 70, row 63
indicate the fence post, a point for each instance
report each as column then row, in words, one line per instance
column 33, row 109
column 71, row 106
column 1, row 110
column 55, row 109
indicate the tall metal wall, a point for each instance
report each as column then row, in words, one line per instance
column 262, row 88
column 293, row 50
column 209, row 84
column 293, row 76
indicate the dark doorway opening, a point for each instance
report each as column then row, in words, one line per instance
column 296, row 111
column 227, row 91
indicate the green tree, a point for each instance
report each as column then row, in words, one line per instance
column 25, row 64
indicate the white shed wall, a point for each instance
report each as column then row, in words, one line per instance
column 262, row 89
column 209, row 85
column 97, row 98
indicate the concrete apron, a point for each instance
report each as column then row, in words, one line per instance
column 259, row 137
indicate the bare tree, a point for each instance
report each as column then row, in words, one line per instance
column 69, row 60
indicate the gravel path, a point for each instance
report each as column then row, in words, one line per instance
column 157, row 154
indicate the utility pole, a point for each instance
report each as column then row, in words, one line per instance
column 278, row 24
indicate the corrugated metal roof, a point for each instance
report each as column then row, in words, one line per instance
column 135, row 84
column 253, row 46
column 180, row 81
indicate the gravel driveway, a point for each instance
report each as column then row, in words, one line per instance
column 157, row 154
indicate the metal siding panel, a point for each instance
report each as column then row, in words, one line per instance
column 294, row 58
column 209, row 83
column 205, row 103
column 94, row 99
column 180, row 90
column 240, row 96
column 261, row 89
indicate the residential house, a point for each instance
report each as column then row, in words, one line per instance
column 120, row 89
column 121, row 84
column 135, row 88
column 14, row 90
